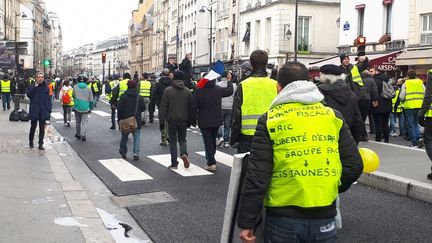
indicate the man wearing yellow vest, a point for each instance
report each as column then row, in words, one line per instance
column 118, row 91
column 302, row 157
column 6, row 89
column 425, row 119
column 397, row 111
column 144, row 91
column 251, row 100
column 96, row 88
column 109, row 89
column 353, row 73
column 412, row 94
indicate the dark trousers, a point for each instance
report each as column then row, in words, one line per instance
column 41, row 131
column 113, row 116
column 427, row 137
column 67, row 113
column 6, row 100
column 364, row 106
column 151, row 109
column 210, row 135
column 381, row 126
column 177, row 132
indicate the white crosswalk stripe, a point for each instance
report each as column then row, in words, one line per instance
column 221, row 157
column 57, row 115
column 124, row 170
column 193, row 170
column 101, row 113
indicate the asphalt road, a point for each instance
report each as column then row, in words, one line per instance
column 196, row 215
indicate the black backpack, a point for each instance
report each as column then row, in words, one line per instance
column 24, row 116
column 14, row 115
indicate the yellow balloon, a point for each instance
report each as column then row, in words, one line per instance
column 370, row 159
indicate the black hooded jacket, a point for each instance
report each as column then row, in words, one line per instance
column 159, row 89
column 127, row 105
column 384, row 105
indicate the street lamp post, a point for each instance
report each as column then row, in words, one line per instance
column 202, row 10
column 23, row 15
column 164, row 59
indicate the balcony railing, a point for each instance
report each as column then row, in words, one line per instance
column 393, row 45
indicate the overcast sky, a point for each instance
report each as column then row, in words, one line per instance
column 88, row 21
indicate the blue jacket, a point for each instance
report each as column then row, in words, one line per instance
column 40, row 102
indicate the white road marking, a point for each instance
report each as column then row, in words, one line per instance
column 124, row 170
column 195, row 132
column 221, row 157
column 398, row 146
column 57, row 115
column 106, row 102
column 193, row 170
column 101, row 113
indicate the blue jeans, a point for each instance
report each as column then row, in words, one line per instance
column 286, row 230
column 413, row 126
column 6, row 100
column 393, row 121
column 226, row 116
column 124, row 140
column 400, row 119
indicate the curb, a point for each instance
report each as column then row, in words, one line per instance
column 399, row 185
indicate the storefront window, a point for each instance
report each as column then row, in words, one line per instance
column 426, row 31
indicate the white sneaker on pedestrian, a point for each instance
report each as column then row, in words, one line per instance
column 226, row 145
column 219, row 142
column 210, row 167
column 393, row 134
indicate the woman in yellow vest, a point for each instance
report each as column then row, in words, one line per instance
column 66, row 97
column 302, row 157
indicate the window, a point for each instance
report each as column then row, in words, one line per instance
column 303, row 33
column 388, row 18
column 233, row 24
column 426, row 29
column 360, row 12
column 257, row 34
column 268, row 34
column 246, row 37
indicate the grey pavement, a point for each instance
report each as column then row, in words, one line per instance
column 52, row 196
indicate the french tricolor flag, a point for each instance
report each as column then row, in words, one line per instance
column 216, row 72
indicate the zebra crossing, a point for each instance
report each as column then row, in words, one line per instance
column 126, row 171
column 59, row 115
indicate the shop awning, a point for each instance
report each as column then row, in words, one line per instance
column 385, row 61
column 415, row 57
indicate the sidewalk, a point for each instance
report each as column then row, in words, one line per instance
column 51, row 195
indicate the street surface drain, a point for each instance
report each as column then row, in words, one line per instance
column 143, row 199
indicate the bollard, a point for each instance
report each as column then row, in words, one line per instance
column 230, row 230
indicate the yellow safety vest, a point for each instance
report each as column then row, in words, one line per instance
column 95, row 86
column 306, row 161
column 414, row 93
column 399, row 108
column 145, row 87
column 356, row 77
column 5, row 86
column 70, row 92
column 123, row 86
column 258, row 94
column 429, row 113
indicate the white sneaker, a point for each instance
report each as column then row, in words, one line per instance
column 219, row 142
column 210, row 167
column 394, row 134
column 226, row 145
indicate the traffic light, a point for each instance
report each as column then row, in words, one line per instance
column 360, row 41
column 103, row 57
column 46, row 62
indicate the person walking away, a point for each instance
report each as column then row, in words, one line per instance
column 339, row 96
column 297, row 207
column 164, row 82
column 40, row 109
column 371, row 99
column 145, row 91
column 252, row 98
column 51, row 87
column 96, row 88
column 6, row 89
column 176, row 110
column 152, row 104
column 412, row 94
column 398, row 110
column 83, row 104
column 109, row 90
column 131, row 104
column 381, row 112
column 207, row 103
column 65, row 96
column 227, row 103
column 425, row 118
column 118, row 91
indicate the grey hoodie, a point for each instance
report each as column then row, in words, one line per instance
column 299, row 91
column 227, row 102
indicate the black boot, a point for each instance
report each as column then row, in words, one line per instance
column 41, row 147
column 31, row 144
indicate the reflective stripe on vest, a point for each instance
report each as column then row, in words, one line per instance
column 5, row 86
column 399, row 108
column 414, row 93
column 258, row 93
column 145, row 87
column 306, row 163
column 123, row 86
column 95, row 87
column 356, row 77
